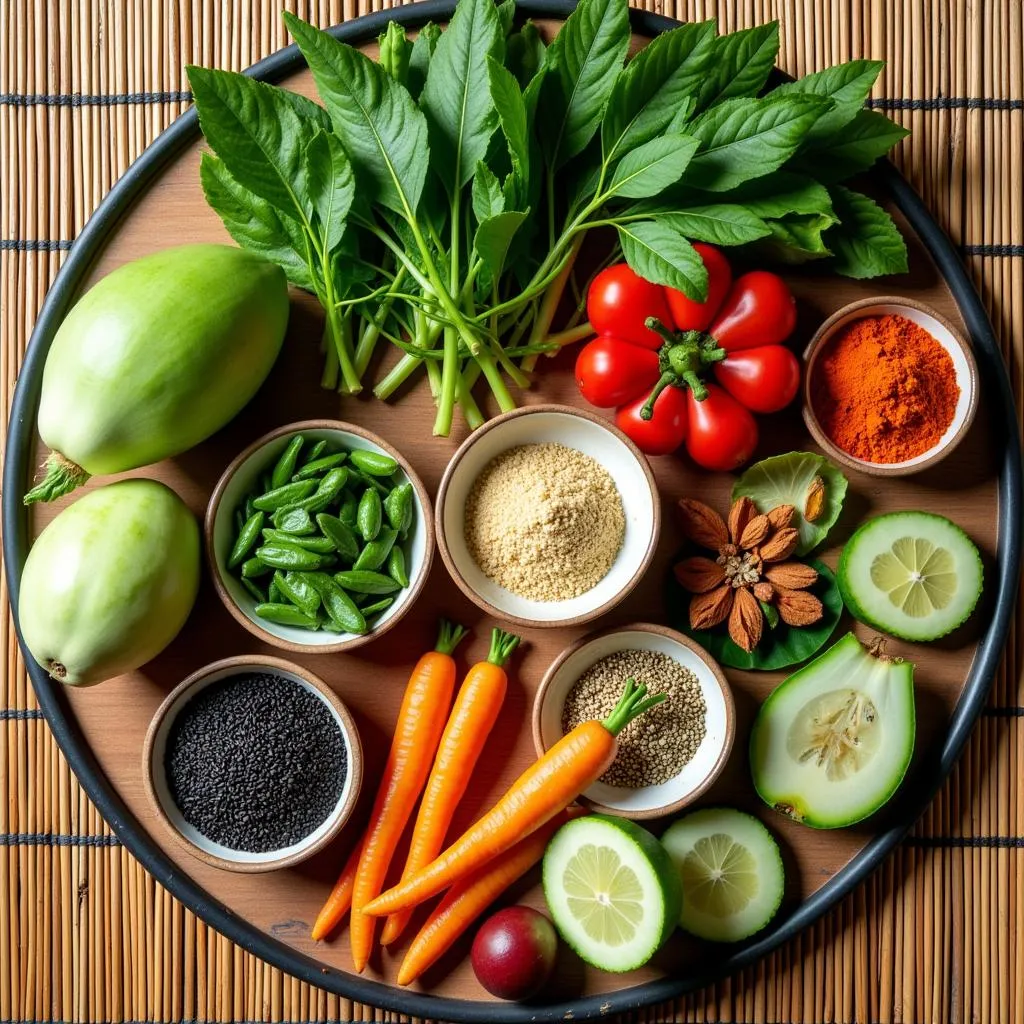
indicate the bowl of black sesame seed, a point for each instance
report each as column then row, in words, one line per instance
column 252, row 764
column 670, row 755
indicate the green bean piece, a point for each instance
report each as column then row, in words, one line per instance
column 285, row 615
column 316, row 543
column 370, row 481
column 315, row 452
column 265, row 482
column 288, row 556
column 377, row 607
column 374, row 463
column 285, row 466
column 396, row 566
column 250, row 508
column 254, row 567
column 239, row 520
column 341, row 538
column 349, row 510
column 274, row 594
column 338, row 605
column 362, row 581
column 332, row 483
column 245, row 540
column 368, row 514
column 398, row 506
column 292, row 519
column 320, row 466
column 375, row 554
column 289, row 494
column 297, row 589
column 255, row 590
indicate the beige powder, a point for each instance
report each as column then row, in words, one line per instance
column 544, row 521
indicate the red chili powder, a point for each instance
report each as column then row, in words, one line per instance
column 883, row 389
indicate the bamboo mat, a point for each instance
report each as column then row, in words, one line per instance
column 85, row 935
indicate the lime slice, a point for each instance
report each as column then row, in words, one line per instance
column 612, row 891
column 913, row 574
column 731, row 871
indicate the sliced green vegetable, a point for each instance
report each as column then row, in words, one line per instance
column 247, row 537
column 285, row 615
column 364, row 582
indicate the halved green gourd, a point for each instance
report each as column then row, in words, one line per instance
column 832, row 743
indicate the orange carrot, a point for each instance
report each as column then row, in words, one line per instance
column 468, row 899
column 340, row 900
column 475, row 712
column 421, row 720
column 550, row 784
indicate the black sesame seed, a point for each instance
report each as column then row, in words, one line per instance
column 256, row 762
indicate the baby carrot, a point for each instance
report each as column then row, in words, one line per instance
column 340, row 900
column 475, row 712
column 421, row 720
column 546, row 787
column 469, row 898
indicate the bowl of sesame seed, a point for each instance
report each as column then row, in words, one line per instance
column 252, row 764
column 668, row 756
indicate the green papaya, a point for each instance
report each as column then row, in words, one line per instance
column 110, row 582
column 155, row 358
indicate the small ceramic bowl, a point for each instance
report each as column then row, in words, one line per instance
column 241, row 476
column 190, row 838
column 573, row 428
column 720, row 718
column 945, row 334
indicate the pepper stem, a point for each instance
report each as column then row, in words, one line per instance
column 502, row 646
column 667, row 379
column 448, row 636
column 633, row 703
column 62, row 477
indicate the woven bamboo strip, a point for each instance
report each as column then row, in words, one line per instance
column 86, row 935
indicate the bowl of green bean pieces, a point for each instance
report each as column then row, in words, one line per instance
column 319, row 537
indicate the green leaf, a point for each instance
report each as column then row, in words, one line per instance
column 651, row 168
column 253, row 222
column 847, row 85
column 457, row 96
column 506, row 15
column 796, row 238
column 739, row 64
column 423, row 47
column 780, row 193
column 853, row 149
column 659, row 253
column 779, row 647
column 786, row 480
column 746, row 138
column 866, row 242
column 718, row 223
column 583, row 63
column 488, row 198
column 656, row 89
column 331, row 185
column 257, row 133
column 524, row 54
column 508, row 101
column 395, row 52
column 381, row 128
column 493, row 238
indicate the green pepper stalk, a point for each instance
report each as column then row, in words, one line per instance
column 684, row 356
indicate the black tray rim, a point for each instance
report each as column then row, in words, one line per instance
column 907, row 807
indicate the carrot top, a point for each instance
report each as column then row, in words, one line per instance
column 502, row 646
column 633, row 703
column 448, row 636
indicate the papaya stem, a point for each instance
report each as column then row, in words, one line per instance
column 62, row 477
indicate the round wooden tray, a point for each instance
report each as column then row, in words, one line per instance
column 159, row 203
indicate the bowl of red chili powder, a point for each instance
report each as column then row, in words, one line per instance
column 890, row 387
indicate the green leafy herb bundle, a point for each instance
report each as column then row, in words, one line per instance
column 440, row 196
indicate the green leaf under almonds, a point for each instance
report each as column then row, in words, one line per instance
column 738, row 64
column 331, row 185
column 582, row 64
column 866, row 242
column 745, row 138
column 659, row 253
column 846, row 85
column 852, row 150
column 457, row 96
column 381, row 128
column 656, row 88
column 652, row 167
column 494, row 237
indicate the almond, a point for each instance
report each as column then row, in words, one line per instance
column 745, row 620
column 792, row 575
column 702, row 524
column 781, row 545
column 797, row 607
column 755, row 533
column 763, row 591
column 781, row 516
column 814, row 503
column 742, row 511
column 698, row 575
column 708, row 610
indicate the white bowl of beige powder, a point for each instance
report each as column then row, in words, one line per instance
column 547, row 516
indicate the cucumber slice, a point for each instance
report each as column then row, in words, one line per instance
column 832, row 743
column 731, row 870
column 612, row 890
column 915, row 575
